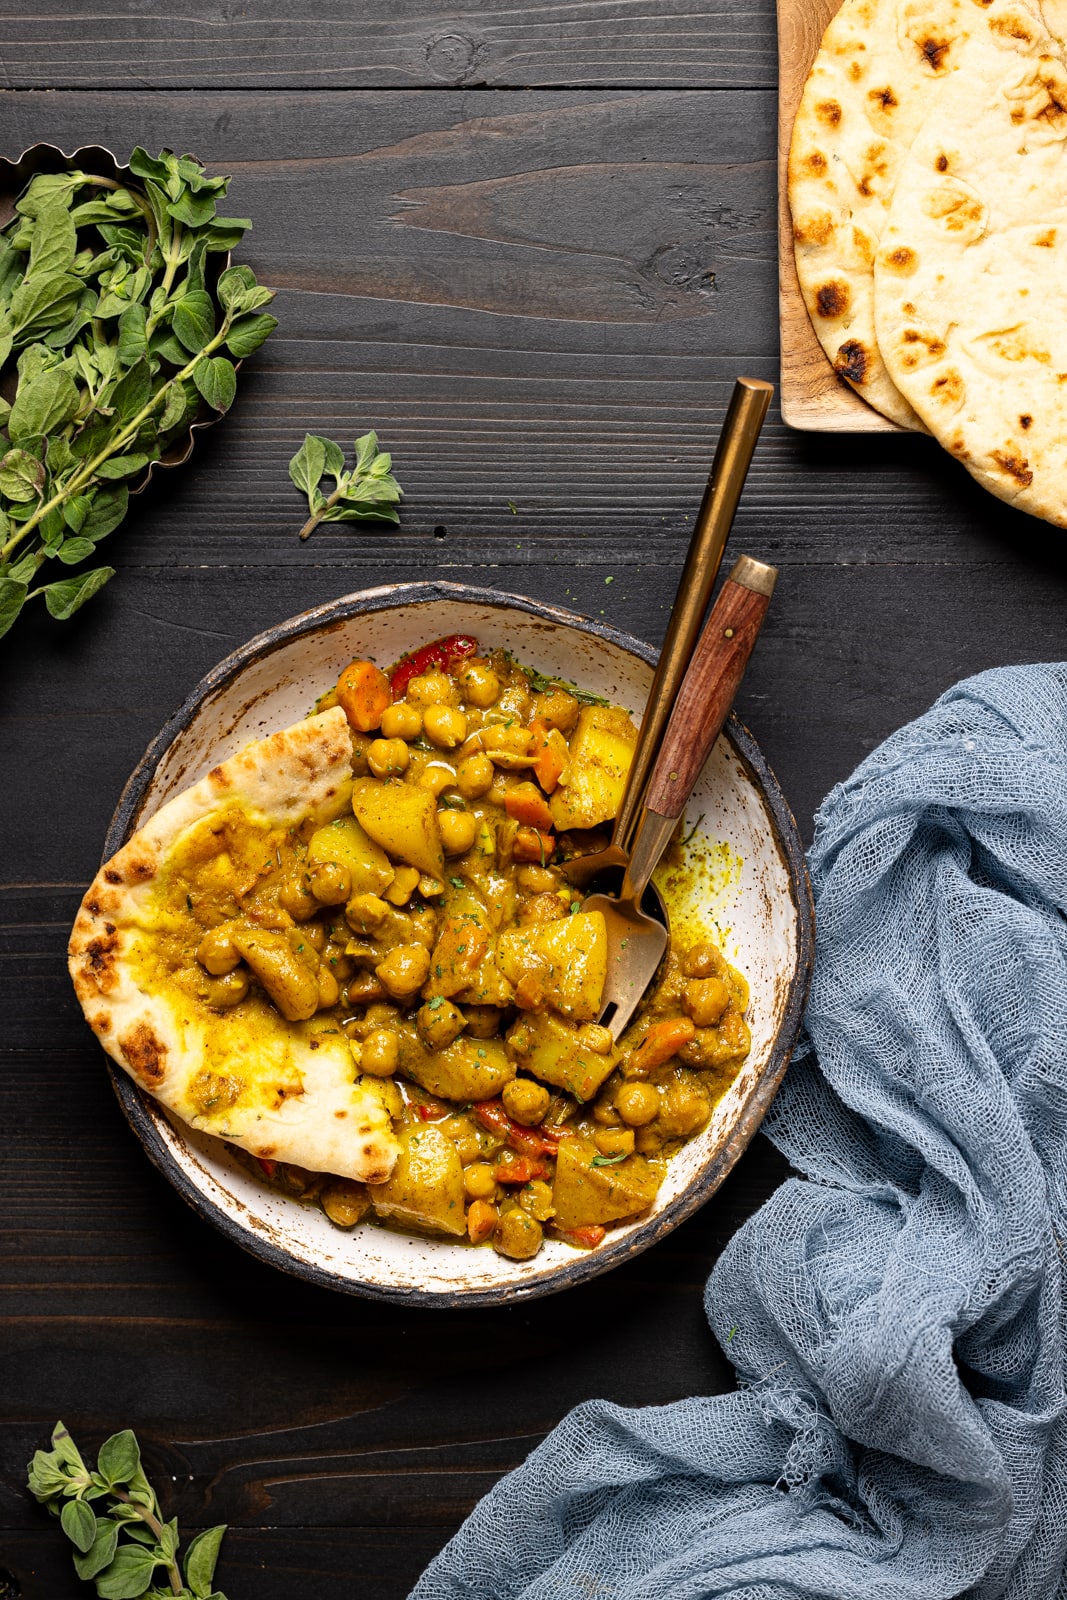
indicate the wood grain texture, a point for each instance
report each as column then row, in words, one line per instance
column 278, row 44
column 513, row 288
column 708, row 691
column 813, row 396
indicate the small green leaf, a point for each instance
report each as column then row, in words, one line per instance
column 71, row 551
column 123, row 466
column 43, row 405
column 335, row 459
column 24, row 569
column 21, row 475
column 233, row 284
column 168, row 348
column 102, row 1552
column 55, row 240
column 607, row 1161
column 371, row 512
column 194, row 320
column 79, row 1524
column 248, row 333
column 63, row 598
column 217, row 381
column 46, row 1475
column 200, row 1559
column 133, row 341
column 75, row 510
column 308, row 465
column 130, row 394
column 105, row 513
column 366, row 450
column 129, row 1574
column 142, row 165
column 45, row 301
column 120, row 1456
column 193, row 210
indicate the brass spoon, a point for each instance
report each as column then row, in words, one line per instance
column 733, row 455
column 637, row 942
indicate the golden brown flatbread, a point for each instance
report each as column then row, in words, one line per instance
column 970, row 288
column 283, row 1090
column 881, row 70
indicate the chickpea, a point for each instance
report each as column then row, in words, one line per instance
column 557, row 708
column 637, row 1103
column 439, row 1022
column 537, row 880
column 685, row 1109
column 705, row 1000
column 702, row 961
column 478, row 1181
column 541, row 908
column 517, row 1235
column 437, row 777
column 457, row 831
column 216, row 952
column 331, row 884
column 404, row 970
column 365, row 911
column 596, row 1038
column 474, row 776
column 296, row 898
column 614, row 1141
column 430, row 689
column 483, row 1022
column 444, row 727
column 604, row 1112
column 481, row 686
column 329, row 989
column 525, row 1101
column 313, row 934
column 380, row 1053
column 516, row 701
column 403, row 886
column 388, row 758
column 401, row 721
column 227, row 990
column 535, row 1198
column 424, row 927
column 481, row 1221
column 344, row 1202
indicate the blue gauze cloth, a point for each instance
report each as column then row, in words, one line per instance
column 899, row 1432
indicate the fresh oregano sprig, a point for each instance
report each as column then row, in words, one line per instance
column 118, row 334
column 111, row 1516
column 365, row 493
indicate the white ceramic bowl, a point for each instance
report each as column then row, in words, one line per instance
column 762, row 908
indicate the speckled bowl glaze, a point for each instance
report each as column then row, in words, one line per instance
column 762, row 910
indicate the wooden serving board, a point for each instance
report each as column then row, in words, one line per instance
column 813, row 397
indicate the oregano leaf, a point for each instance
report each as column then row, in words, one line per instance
column 47, row 403
column 128, row 1575
column 79, row 1524
column 71, row 551
column 200, row 1560
column 307, row 466
column 217, row 381
column 68, row 595
column 21, row 475
column 102, row 1551
column 194, row 320
column 120, row 1456
column 55, row 240
column 248, row 333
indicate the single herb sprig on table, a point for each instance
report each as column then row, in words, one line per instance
column 366, row 492
column 119, row 334
column 111, row 1516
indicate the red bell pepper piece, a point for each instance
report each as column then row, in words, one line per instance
column 586, row 1238
column 519, row 1169
column 528, row 1141
column 269, row 1167
column 440, row 653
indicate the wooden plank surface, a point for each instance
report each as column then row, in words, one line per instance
column 513, row 288
column 277, row 44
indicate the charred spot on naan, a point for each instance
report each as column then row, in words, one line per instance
column 901, row 260
column 948, row 390
column 1014, row 465
column 145, row 1054
column 828, row 111
column 923, row 347
column 958, row 209
column 832, row 299
column 853, row 361
column 818, row 228
column 1026, row 421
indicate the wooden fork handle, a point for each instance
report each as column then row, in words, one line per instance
column 710, row 685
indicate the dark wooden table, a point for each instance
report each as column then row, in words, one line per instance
column 531, row 244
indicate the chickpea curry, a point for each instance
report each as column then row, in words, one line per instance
column 431, row 925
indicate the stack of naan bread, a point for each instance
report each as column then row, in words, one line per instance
column 928, row 186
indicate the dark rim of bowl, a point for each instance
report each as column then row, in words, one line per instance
column 140, row 1109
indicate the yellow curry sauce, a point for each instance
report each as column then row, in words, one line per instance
column 430, row 923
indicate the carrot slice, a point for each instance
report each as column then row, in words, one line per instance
column 526, row 804
column 363, row 694
column 662, row 1041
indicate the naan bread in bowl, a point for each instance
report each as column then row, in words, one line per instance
column 882, row 69
column 283, row 1088
column 970, row 287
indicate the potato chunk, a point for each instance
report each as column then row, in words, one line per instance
column 583, row 1193
column 466, row 1070
column 553, row 1052
column 402, row 818
column 601, row 749
column 289, row 982
column 345, row 844
column 560, row 964
column 426, row 1186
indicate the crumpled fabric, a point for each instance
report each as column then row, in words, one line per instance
column 899, row 1431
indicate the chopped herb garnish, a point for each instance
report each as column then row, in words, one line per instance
column 694, row 828
column 436, row 1003
column 606, row 1161
column 457, row 883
